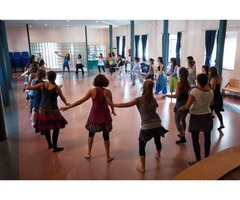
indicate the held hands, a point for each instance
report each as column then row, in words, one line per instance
column 65, row 108
column 113, row 113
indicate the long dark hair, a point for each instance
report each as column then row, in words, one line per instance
column 160, row 60
column 213, row 73
column 51, row 75
column 174, row 61
column 184, row 82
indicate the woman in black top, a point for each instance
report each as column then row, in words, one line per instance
column 215, row 85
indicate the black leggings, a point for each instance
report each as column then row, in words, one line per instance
column 196, row 145
column 219, row 115
column 52, row 143
column 142, row 145
column 66, row 67
column 99, row 68
column 105, row 135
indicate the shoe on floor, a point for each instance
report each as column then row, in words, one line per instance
column 58, row 149
column 221, row 127
column 182, row 140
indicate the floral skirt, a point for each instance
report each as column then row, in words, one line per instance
column 49, row 118
column 105, row 127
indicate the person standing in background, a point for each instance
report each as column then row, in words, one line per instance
column 151, row 70
column 100, row 63
column 173, row 75
column 65, row 63
column 79, row 64
column 161, row 83
column 215, row 85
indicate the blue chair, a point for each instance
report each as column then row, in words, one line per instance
column 17, row 60
column 11, row 60
column 25, row 58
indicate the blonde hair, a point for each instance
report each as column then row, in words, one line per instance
column 147, row 95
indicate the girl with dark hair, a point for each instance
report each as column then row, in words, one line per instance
column 198, row 103
column 65, row 62
column 79, row 64
column 48, row 117
column 113, row 64
column 151, row 123
column 136, row 71
column 161, row 83
column 205, row 69
column 121, row 67
column 182, row 93
column 215, row 85
column 192, row 73
column 100, row 63
column 150, row 74
column 100, row 119
column 173, row 75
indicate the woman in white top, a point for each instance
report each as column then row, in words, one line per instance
column 192, row 73
column 198, row 103
column 100, row 63
column 79, row 64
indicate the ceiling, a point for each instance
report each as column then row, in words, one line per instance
column 69, row 23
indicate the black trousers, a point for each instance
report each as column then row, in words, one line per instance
column 79, row 66
column 105, row 135
column 53, row 142
column 196, row 145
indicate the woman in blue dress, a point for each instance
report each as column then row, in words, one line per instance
column 161, row 83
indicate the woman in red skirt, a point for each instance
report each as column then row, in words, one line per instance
column 100, row 119
column 49, row 117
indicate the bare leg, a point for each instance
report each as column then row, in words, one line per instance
column 141, row 167
column 107, row 149
column 90, row 143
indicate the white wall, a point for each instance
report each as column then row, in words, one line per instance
column 17, row 36
column 193, row 38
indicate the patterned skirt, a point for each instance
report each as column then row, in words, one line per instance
column 49, row 118
column 104, row 127
column 202, row 123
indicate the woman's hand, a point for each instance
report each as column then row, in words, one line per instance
column 65, row 108
column 113, row 113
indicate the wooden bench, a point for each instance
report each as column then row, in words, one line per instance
column 232, row 86
column 214, row 167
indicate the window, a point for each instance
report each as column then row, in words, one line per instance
column 48, row 49
column 140, row 49
column 229, row 50
column 172, row 45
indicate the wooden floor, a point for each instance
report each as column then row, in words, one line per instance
column 36, row 162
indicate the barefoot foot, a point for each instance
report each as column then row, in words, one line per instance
column 87, row 156
column 157, row 155
column 140, row 168
column 110, row 158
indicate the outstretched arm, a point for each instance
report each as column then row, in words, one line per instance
column 77, row 103
column 34, row 87
column 59, row 91
column 123, row 105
